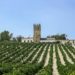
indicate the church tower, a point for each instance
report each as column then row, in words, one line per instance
column 37, row 33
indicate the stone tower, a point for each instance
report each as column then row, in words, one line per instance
column 37, row 33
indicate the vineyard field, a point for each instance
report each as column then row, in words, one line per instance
column 37, row 59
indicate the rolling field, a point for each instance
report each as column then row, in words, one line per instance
column 36, row 59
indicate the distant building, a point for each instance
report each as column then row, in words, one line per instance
column 28, row 39
column 47, row 39
column 37, row 37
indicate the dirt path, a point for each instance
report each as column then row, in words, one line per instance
column 68, row 58
column 24, row 59
column 41, row 57
column 36, row 54
column 47, row 58
column 61, row 57
column 55, row 70
column 71, row 53
column 73, row 45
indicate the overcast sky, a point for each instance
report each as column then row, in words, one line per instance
column 55, row 16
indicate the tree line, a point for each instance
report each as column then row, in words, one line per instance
column 7, row 36
column 58, row 36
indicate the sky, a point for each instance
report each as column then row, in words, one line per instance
column 55, row 17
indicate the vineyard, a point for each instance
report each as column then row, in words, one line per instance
column 37, row 59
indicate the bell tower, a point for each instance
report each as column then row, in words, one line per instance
column 37, row 33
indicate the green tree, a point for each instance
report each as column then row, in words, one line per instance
column 19, row 38
column 59, row 37
column 14, row 39
column 5, row 36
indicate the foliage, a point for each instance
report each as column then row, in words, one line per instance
column 5, row 36
column 59, row 37
column 19, row 38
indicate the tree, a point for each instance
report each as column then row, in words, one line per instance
column 59, row 37
column 63, row 36
column 5, row 36
column 14, row 39
column 19, row 38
